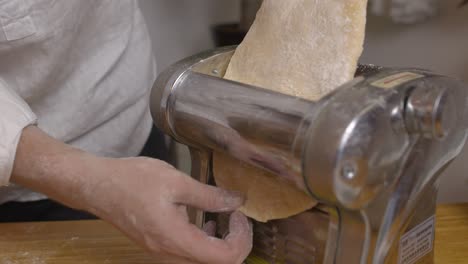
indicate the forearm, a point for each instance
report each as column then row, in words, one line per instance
column 144, row 198
column 51, row 167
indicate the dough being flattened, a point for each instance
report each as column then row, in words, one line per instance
column 267, row 196
column 304, row 48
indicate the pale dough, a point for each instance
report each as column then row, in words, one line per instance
column 304, row 48
column 267, row 196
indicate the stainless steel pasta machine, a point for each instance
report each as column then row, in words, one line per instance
column 371, row 152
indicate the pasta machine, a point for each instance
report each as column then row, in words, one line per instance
column 371, row 152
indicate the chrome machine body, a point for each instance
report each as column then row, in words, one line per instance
column 371, row 153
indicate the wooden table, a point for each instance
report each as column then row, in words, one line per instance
column 97, row 242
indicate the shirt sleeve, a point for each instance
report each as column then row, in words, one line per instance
column 15, row 115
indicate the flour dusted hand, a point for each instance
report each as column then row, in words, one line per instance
column 144, row 198
column 147, row 199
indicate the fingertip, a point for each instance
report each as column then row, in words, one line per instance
column 199, row 245
column 233, row 200
column 240, row 234
column 251, row 225
column 208, row 198
column 238, row 221
column 210, row 228
column 240, row 226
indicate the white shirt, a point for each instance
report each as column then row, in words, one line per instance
column 81, row 70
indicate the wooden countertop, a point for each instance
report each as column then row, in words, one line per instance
column 97, row 242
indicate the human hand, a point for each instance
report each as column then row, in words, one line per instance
column 147, row 200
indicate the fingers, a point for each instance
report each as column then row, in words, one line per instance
column 205, row 197
column 197, row 245
column 240, row 235
column 210, row 228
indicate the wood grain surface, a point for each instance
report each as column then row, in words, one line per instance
column 97, row 242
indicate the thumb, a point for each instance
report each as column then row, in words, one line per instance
column 206, row 197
